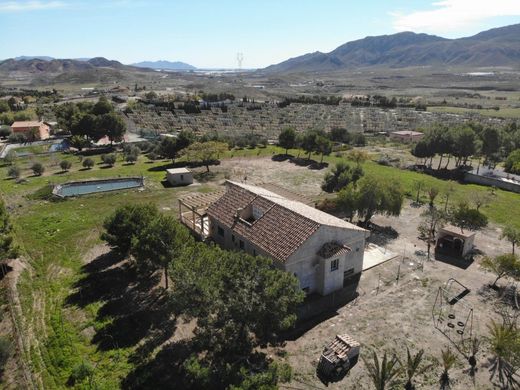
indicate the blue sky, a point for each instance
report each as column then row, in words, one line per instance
column 208, row 33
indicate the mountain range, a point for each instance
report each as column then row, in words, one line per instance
column 50, row 64
column 495, row 47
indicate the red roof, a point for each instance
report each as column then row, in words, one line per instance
column 278, row 231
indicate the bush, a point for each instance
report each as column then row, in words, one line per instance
column 10, row 157
column 88, row 163
column 152, row 156
column 38, row 168
column 512, row 164
column 65, row 165
column 131, row 154
column 14, row 172
column 81, row 372
column 109, row 159
column 17, row 139
column 5, row 131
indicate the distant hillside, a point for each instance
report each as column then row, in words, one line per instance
column 37, row 65
column 44, row 58
column 41, row 71
column 496, row 47
column 166, row 65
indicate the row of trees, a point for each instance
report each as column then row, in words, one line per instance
column 389, row 371
column 463, row 142
column 317, row 141
column 240, row 302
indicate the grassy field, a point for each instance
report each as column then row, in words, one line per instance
column 55, row 236
column 507, row 113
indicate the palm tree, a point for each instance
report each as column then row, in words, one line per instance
column 413, row 367
column 448, row 361
column 503, row 342
column 384, row 373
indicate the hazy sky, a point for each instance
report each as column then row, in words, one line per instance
column 210, row 33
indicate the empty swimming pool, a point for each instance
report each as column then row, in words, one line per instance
column 93, row 186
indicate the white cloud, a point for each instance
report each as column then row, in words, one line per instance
column 450, row 15
column 20, row 6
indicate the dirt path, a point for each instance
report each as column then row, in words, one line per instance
column 22, row 334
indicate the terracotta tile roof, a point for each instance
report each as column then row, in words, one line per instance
column 332, row 248
column 26, row 124
column 282, row 225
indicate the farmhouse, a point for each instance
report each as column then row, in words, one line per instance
column 322, row 251
column 33, row 130
column 407, row 136
column 179, row 176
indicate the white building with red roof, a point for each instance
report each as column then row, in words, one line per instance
column 322, row 251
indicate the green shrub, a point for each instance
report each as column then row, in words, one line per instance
column 38, row 168
column 14, row 172
column 88, row 163
column 65, row 165
column 109, row 159
column 81, row 372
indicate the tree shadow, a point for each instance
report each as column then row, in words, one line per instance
column 165, row 371
column 132, row 305
column 382, row 235
column 303, row 162
column 282, row 157
column 316, row 166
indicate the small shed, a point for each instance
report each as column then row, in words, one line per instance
column 406, row 136
column 338, row 357
column 452, row 241
column 179, row 176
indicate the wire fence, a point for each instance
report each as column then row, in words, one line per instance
column 398, row 269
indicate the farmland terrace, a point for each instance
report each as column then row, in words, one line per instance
column 268, row 119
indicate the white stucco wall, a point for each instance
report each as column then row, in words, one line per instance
column 176, row 179
column 314, row 272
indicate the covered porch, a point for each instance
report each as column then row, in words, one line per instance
column 192, row 211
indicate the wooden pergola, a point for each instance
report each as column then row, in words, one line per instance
column 192, row 211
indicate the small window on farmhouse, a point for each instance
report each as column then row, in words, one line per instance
column 220, row 231
column 233, row 237
column 334, row 265
column 241, row 244
column 182, row 177
column 254, row 252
